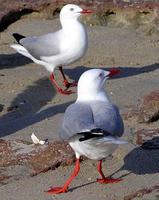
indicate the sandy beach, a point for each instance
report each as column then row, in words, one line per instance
column 40, row 110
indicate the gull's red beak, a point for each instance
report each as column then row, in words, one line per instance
column 114, row 72
column 86, row 11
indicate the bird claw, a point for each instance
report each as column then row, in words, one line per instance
column 57, row 190
column 68, row 84
column 108, row 180
column 65, row 92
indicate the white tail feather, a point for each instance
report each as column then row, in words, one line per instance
column 21, row 50
column 114, row 140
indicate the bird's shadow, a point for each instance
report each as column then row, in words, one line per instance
column 82, row 185
column 29, row 103
column 142, row 161
column 29, row 108
column 8, row 61
column 95, row 181
column 124, row 71
column 17, row 60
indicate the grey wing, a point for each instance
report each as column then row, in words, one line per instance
column 108, row 118
column 46, row 45
column 77, row 118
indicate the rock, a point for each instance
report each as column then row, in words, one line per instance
column 1, row 107
column 16, row 152
column 148, row 138
column 130, row 113
column 151, row 144
column 55, row 155
column 10, row 12
column 3, row 178
column 20, row 158
column 143, row 194
column 149, row 108
column 147, row 111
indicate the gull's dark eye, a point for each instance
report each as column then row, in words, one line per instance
column 71, row 9
column 101, row 74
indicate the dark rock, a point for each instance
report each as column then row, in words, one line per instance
column 147, row 111
column 149, row 139
column 12, row 108
column 10, row 12
column 149, row 108
column 16, row 152
column 31, row 159
column 151, row 144
column 55, row 155
column 3, row 178
column 1, row 107
column 142, row 193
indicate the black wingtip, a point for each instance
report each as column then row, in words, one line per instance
column 93, row 133
column 18, row 37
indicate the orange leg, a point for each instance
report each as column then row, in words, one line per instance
column 60, row 90
column 65, row 81
column 104, row 179
column 58, row 190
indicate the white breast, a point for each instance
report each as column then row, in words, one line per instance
column 75, row 43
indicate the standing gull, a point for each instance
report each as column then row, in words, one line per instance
column 92, row 125
column 59, row 48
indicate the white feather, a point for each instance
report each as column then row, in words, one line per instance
column 36, row 140
column 113, row 140
column 21, row 50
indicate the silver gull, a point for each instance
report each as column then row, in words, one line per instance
column 60, row 48
column 92, row 125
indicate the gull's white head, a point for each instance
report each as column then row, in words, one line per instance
column 71, row 11
column 91, row 83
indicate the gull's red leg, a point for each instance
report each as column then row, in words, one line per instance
column 104, row 179
column 58, row 190
column 60, row 90
column 65, row 81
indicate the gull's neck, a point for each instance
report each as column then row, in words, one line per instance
column 71, row 24
column 93, row 96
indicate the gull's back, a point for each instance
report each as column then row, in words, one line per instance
column 80, row 117
column 107, row 117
